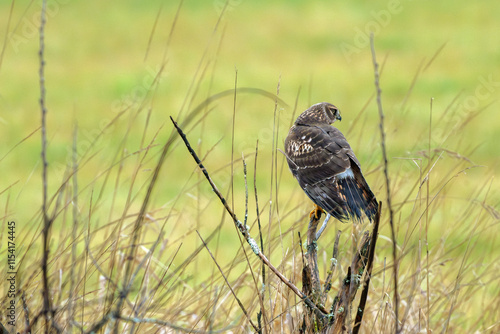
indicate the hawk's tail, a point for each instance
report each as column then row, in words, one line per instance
column 357, row 198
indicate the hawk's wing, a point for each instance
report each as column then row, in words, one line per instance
column 327, row 169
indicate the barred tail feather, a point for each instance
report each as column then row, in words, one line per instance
column 358, row 198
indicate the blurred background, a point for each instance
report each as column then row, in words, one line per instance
column 117, row 70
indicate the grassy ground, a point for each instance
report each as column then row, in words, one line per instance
column 119, row 69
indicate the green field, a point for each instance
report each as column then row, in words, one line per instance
column 117, row 70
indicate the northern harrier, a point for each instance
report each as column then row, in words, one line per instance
column 325, row 166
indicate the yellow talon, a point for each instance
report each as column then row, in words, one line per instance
column 316, row 212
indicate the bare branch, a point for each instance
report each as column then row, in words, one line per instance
column 47, row 221
column 387, row 182
column 257, row 209
column 25, row 309
column 368, row 272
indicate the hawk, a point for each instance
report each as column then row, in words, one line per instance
column 325, row 166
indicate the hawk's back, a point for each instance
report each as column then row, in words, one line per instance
column 325, row 166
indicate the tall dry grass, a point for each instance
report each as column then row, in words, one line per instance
column 110, row 254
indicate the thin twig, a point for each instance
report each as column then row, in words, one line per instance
column 232, row 136
column 427, row 220
column 246, row 187
column 25, row 309
column 387, row 182
column 74, row 231
column 43, row 110
column 274, row 160
column 46, row 220
column 368, row 272
column 31, row 325
column 243, row 229
column 263, row 269
column 257, row 210
column 256, row 283
column 333, row 264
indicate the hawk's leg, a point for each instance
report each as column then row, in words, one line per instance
column 318, row 234
column 316, row 212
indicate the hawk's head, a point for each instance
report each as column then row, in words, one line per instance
column 319, row 113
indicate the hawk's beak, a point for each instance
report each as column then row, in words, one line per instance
column 339, row 117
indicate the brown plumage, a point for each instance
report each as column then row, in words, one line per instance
column 325, row 166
